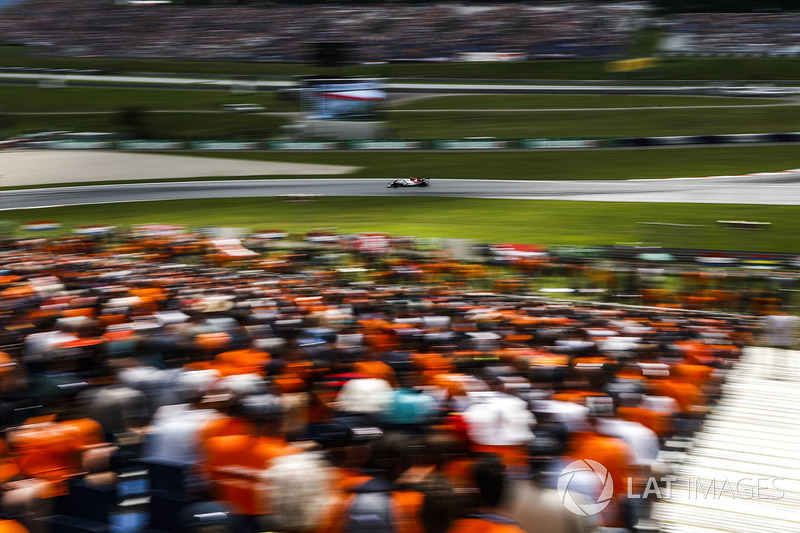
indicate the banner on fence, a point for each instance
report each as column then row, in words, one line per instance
column 303, row 145
column 151, row 145
column 492, row 56
column 628, row 65
column 385, row 145
column 469, row 144
column 561, row 143
column 80, row 145
column 226, row 145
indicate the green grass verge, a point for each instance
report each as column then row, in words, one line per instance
column 543, row 222
column 743, row 69
column 548, row 165
column 440, row 125
column 174, row 125
column 35, row 99
column 21, row 99
column 595, row 123
column 571, row 101
column 499, row 117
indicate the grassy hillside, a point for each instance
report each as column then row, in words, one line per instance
column 549, row 165
column 528, row 221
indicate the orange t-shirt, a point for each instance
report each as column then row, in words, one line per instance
column 245, row 450
column 381, row 339
column 376, row 369
column 431, row 365
column 53, row 450
column 248, row 451
column 12, row 526
column 220, row 427
column 459, row 472
column 686, row 394
column 294, row 377
column 483, row 525
column 660, row 422
column 89, row 430
column 247, row 361
column 695, row 352
column 615, row 456
column 695, row 374
column 8, row 464
column 610, row 452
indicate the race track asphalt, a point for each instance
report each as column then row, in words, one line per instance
column 64, row 167
column 767, row 189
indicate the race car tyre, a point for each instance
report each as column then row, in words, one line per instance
column 423, row 184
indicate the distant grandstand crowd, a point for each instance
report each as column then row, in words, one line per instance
column 383, row 31
column 378, row 32
column 720, row 33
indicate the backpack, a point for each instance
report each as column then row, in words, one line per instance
column 371, row 509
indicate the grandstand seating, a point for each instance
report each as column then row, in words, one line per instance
column 751, row 434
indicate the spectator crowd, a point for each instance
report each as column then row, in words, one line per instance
column 766, row 33
column 376, row 32
column 146, row 393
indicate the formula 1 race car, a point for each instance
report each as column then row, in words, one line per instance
column 409, row 182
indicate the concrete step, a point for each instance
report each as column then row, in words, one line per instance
column 752, row 433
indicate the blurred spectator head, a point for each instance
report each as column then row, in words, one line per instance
column 599, row 407
column 265, row 410
column 441, row 505
column 363, row 396
column 194, row 384
column 392, row 454
column 499, row 420
column 299, row 489
column 212, row 343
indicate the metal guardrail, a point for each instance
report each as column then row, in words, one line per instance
column 487, row 144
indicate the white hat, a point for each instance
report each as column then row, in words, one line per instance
column 499, row 420
column 364, row 396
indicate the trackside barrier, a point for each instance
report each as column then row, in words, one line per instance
column 78, row 145
column 471, row 144
column 151, row 145
column 416, row 144
column 564, row 143
column 304, row 145
column 387, row 145
column 709, row 139
column 227, row 145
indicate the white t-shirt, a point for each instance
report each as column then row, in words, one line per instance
column 642, row 441
column 497, row 419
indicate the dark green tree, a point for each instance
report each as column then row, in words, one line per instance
column 133, row 123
